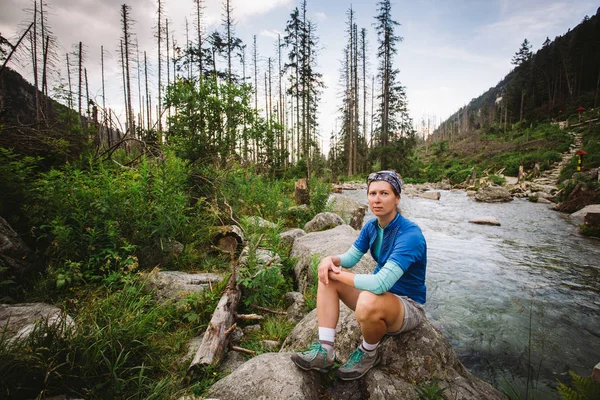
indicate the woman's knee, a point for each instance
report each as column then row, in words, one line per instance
column 367, row 307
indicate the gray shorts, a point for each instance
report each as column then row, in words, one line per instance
column 414, row 315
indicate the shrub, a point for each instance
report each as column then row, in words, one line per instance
column 92, row 220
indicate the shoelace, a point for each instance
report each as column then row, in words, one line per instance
column 314, row 350
column 355, row 358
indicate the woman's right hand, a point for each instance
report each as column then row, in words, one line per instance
column 325, row 266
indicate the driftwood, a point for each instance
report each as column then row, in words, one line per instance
column 216, row 338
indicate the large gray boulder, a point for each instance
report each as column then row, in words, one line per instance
column 493, row 194
column 323, row 221
column 290, row 236
column 20, row 320
column 270, row 376
column 421, row 355
column 171, row 285
column 311, row 248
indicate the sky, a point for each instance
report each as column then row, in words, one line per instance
column 452, row 50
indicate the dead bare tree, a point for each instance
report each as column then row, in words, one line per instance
column 127, row 42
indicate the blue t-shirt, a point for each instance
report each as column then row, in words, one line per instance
column 404, row 244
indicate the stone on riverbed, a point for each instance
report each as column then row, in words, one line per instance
column 430, row 195
column 493, row 194
column 485, row 221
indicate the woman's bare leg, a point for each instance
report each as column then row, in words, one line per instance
column 328, row 301
column 378, row 314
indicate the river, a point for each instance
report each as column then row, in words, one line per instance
column 520, row 302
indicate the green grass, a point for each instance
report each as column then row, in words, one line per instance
column 126, row 345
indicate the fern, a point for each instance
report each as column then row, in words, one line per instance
column 582, row 388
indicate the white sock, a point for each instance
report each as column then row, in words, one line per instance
column 327, row 335
column 369, row 347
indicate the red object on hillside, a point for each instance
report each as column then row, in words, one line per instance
column 581, row 153
column 580, row 109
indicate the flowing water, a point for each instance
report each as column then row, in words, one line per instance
column 520, row 302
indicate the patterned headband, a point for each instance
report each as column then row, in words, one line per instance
column 388, row 176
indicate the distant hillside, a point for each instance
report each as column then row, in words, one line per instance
column 560, row 77
column 46, row 131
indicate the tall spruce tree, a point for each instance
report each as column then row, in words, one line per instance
column 396, row 135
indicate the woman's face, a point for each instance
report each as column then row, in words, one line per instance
column 382, row 200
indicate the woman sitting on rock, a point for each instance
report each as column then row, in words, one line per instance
column 385, row 302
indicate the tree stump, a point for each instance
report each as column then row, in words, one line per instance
column 301, row 194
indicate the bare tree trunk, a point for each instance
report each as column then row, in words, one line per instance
column 187, row 46
column 199, row 7
column 34, row 41
column 87, row 98
column 168, row 69
column 159, row 99
column 14, row 48
column 364, row 79
column 355, row 99
column 70, row 92
column 79, row 93
column 124, row 89
column 148, row 107
column 139, row 82
column 103, row 91
column 372, row 108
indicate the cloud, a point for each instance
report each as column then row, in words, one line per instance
column 321, row 15
column 244, row 8
column 270, row 33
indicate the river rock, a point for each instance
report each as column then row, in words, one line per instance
column 270, row 376
column 423, row 354
column 170, row 285
column 14, row 254
column 290, row 236
column 323, row 221
column 19, row 320
column 430, row 195
column 493, row 194
column 485, row 221
column 317, row 245
column 579, row 216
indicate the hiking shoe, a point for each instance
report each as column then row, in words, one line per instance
column 360, row 362
column 316, row 357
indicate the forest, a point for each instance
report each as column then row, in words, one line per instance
column 101, row 202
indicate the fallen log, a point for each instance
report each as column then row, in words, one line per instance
column 216, row 338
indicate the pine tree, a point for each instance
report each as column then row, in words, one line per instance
column 393, row 117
